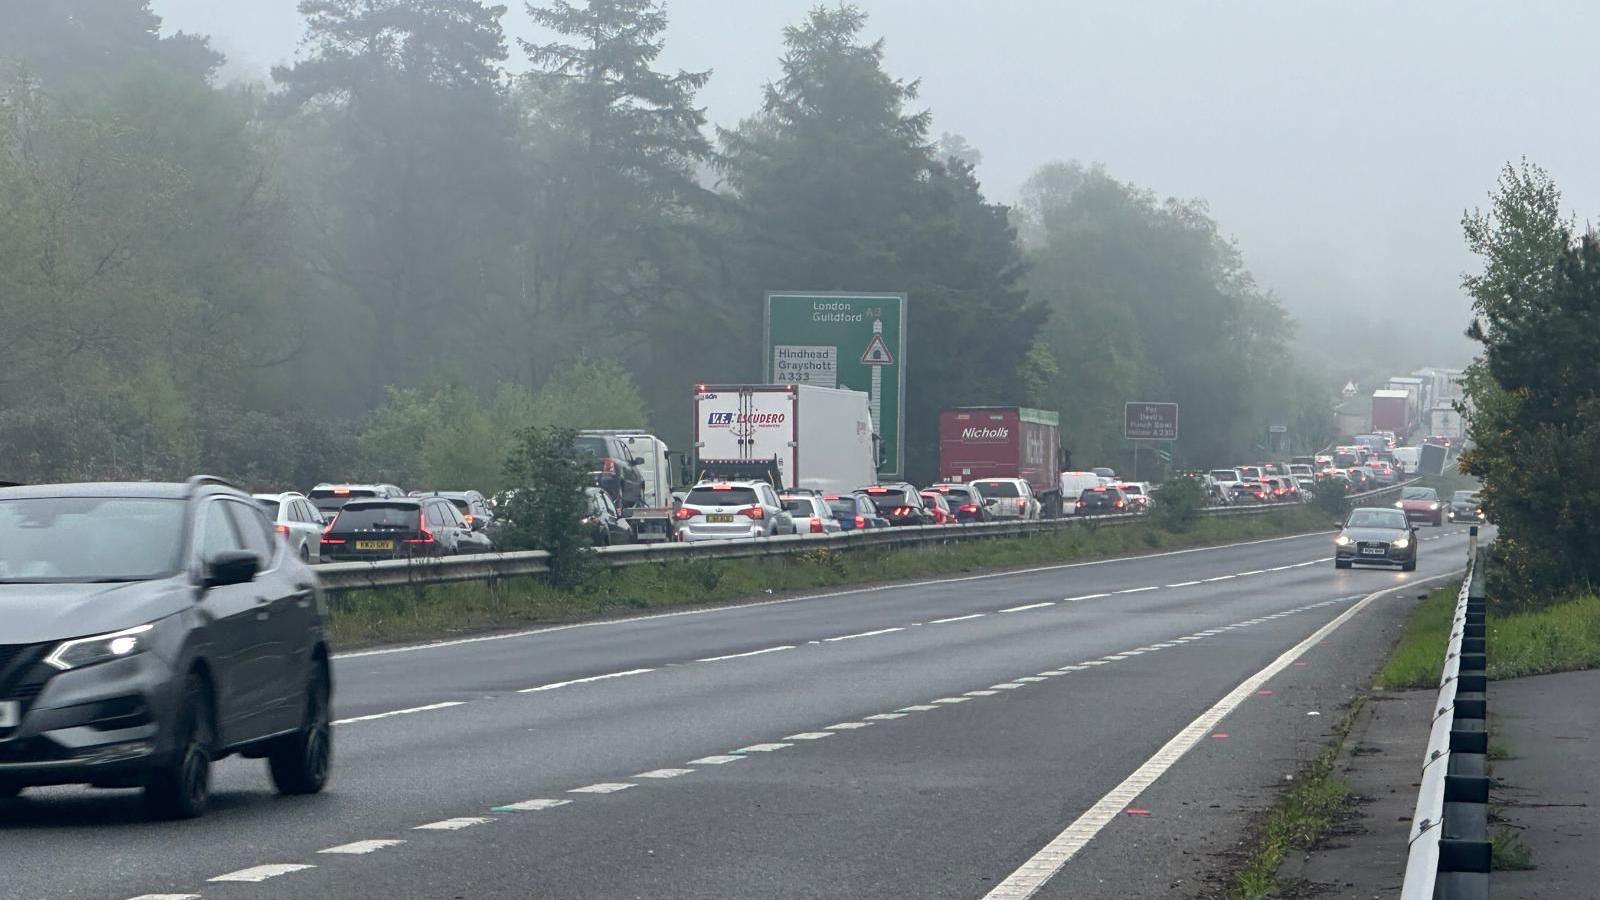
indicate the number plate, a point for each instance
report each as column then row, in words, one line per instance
column 10, row 714
column 720, row 518
column 1372, row 551
column 374, row 545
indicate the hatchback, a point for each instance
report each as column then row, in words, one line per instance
column 297, row 521
column 811, row 513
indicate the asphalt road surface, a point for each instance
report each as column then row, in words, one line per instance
column 986, row 736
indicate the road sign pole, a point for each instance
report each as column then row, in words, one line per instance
column 875, row 396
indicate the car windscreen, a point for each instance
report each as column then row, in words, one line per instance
column 270, row 507
column 596, row 447
column 957, row 495
column 1377, row 518
column 387, row 516
column 800, row 506
column 59, row 539
column 1419, row 494
column 886, row 498
column 843, row 508
column 1097, row 498
column 997, row 489
column 1464, row 497
column 722, row 496
column 1225, row 474
column 1132, row 490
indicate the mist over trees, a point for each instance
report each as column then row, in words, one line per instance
column 395, row 257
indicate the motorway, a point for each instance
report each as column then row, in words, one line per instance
column 1090, row 730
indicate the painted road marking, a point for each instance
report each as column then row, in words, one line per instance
column 1140, row 590
column 1084, row 597
column 979, row 693
column 1026, row 679
column 166, row 897
column 763, row 748
column 949, row 700
column 1253, row 572
column 257, row 874
column 743, row 655
column 920, row 707
column 535, row 805
column 1220, row 578
column 1032, row 875
column 1051, row 673
column 604, row 787
column 885, row 717
column 400, row 712
column 851, row 637
column 590, row 680
column 957, row 619
column 1008, row 686
column 848, row 726
column 809, row 736
column 1184, row 584
column 1094, row 662
column 664, row 773
column 720, row 760
column 454, row 824
column 362, row 848
column 1029, row 606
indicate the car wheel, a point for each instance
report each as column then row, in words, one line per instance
column 605, row 540
column 1341, row 564
column 181, row 789
column 301, row 762
column 1409, row 566
column 305, row 554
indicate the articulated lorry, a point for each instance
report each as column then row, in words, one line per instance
column 808, row 437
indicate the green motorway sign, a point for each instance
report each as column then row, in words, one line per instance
column 854, row 341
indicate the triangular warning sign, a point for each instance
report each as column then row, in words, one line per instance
column 877, row 353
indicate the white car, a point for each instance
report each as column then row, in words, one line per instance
column 1008, row 498
column 298, row 522
column 732, row 510
column 1138, row 494
column 1074, row 484
column 811, row 514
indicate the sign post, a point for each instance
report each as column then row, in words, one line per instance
column 854, row 341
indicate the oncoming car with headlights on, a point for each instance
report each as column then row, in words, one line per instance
column 1420, row 504
column 1376, row 535
column 147, row 630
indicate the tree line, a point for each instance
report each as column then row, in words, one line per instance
column 395, row 255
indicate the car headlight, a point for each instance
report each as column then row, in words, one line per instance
column 1401, row 544
column 81, row 652
column 1342, row 540
column 1433, row 506
column 1399, row 505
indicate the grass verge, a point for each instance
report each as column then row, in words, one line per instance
column 359, row 618
column 1301, row 815
column 1562, row 637
column 1507, row 852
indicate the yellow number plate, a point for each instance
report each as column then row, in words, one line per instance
column 374, row 545
column 720, row 518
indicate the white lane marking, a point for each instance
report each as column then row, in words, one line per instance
column 1073, row 668
column 885, row 717
column 1309, row 562
column 979, row 693
column 920, row 707
column 1184, row 584
column 1114, row 657
column 950, row 700
column 454, row 824
column 1029, row 679
column 1008, row 686
column 1029, row 606
column 957, row 619
column 762, row 748
column 1132, row 652
column 1051, row 673
column 1219, row 578
column 1164, row 645
column 735, row 607
column 851, row 637
column 1253, row 572
column 400, row 712
column 1280, row 568
column 166, row 897
column 257, row 874
column 590, row 680
column 1083, row 597
column 664, row 773
column 1032, row 875
column 604, row 787
column 720, row 760
column 848, row 726
column 809, row 736
column 362, row 848
column 535, row 805
column 743, row 655
column 1094, row 662
column 1188, row 637
column 1140, row 590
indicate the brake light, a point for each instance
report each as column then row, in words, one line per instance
column 969, row 507
column 753, row 512
column 341, row 492
column 877, row 490
column 468, row 517
column 608, row 466
column 1118, row 504
column 1022, row 503
column 902, row 511
column 1081, row 504
column 283, row 529
column 830, row 497
column 861, row 521
column 422, row 526
column 328, row 528
column 684, row 513
column 816, row 524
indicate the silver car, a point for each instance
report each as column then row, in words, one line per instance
column 811, row 514
column 298, row 522
column 732, row 510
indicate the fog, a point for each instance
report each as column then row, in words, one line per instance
column 1339, row 143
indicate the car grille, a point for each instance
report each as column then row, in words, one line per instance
column 22, row 676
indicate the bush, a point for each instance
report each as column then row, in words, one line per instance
column 546, row 507
column 1330, row 498
column 1178, row 503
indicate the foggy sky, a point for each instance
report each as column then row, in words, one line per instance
column 1338, row 142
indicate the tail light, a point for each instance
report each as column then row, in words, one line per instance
column 861, row 521
column 422, row 526
column 608, row 466
column 1118, row 504
column 1022, row 503
column 1082, row 504
column 283, row 530
column 969, row 507
column 901, row 511
column 326, row 529
column 468, row 517
column 816, row 524
column 753, row 512
column 684, row 513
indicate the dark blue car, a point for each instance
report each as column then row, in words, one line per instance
column 855, row 511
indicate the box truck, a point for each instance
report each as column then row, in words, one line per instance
column 1391, row 411
column 809, row 437
column 1003, row 442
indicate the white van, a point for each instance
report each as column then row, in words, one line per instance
column 1073, row 484
column 1407, row 459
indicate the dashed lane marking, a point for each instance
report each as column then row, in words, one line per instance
column 851, row 637
column 256, row 874
column 848, row 726
column 362, row 848
column 957, row 619
column 400, row 712
column 664, row 773
column 1084, row 597
column 604, row 787
column 536, row 805
column 719, row 760
column 810, row 736
column 1027, row 679
column 979, row 693
column 949, row 700
column 454, row 824
column 1184, row 584
column 166, row 897
column 1008, row 686
column 766, row 748
column 1140, row 590
column 919, row 707
column 1219, row 578
column 590, row 680
column 885, row 717
column 1016, row 609
column 743, row 655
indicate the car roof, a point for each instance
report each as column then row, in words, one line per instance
column 141, row 489
column 361, row 502
column 286, row 495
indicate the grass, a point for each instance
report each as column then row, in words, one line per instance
column 1561, row 637
column 1300, row 816
column 359, row 618
column 1507, row 852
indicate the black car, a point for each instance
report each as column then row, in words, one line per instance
column 900, row 503
column 1102, row 501
column 147, row 630
column 1376, row 535
column 616, row 469
column 472, row 505
column 1466, row 507
column 965, row 502
column 606, row 526
column 400, row 528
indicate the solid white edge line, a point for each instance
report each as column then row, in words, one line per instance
column 1042, row 866
column 871, row 589
column 743, row 655
column 166, row 897
column 1029, row 606
column 399, row 712
column 590, row 680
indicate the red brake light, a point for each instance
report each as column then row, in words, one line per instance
column 816, row 524
column 830, row 497
column 1081, row 504
column 1118, row 504
column 341, row 492
column 1022, row 503
column 877, row 490
column 753, row 512
column 683, row 513
column 283, row 529
column 329, row 527
column 861, row 521
column 969, row 507
column 422, row 526
column 608, row 466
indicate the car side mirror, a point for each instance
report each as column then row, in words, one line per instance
column 637, row 461
column 231, row 567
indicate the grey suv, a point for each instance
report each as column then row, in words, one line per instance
column 147, row 630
